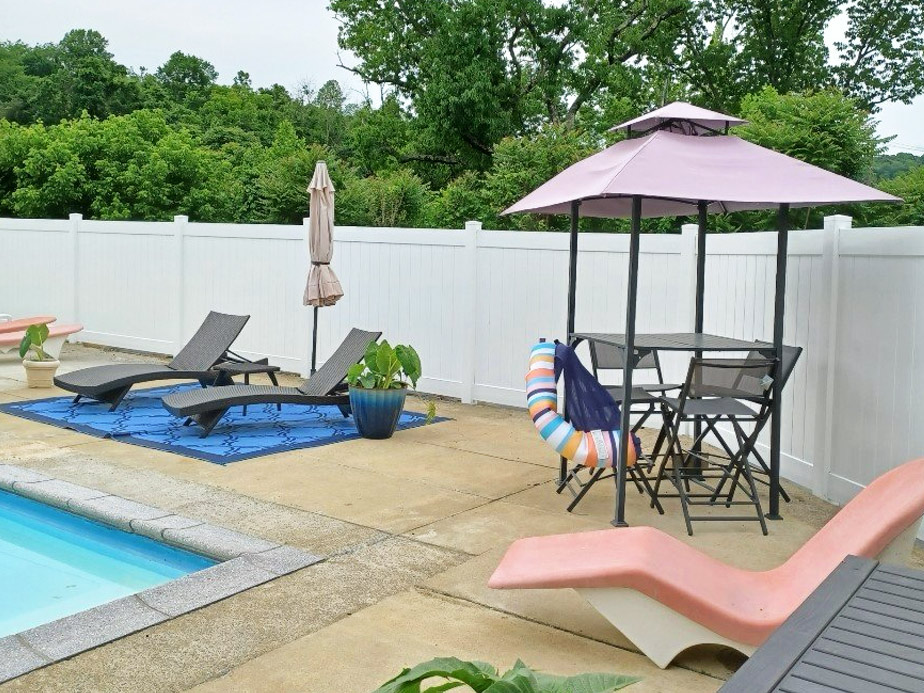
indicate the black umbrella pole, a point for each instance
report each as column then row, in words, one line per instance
column 314, row 343
column 776, row 427
column 625, row 429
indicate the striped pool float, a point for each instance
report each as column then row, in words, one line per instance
column 590, row 448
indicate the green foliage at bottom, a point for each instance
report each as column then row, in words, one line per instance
column 481, row 677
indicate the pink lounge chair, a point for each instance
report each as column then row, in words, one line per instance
column 666, row 596
column 7, row 324
column 57, row 334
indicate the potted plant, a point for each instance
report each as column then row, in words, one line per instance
column 378, row 387
column 40, row 366
column 452, row 672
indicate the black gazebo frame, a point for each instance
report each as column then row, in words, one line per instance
column 782, row 227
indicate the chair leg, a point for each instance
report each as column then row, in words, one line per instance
column 590, row 482
column 76, row 399
column 114, row 397
column 208, row 420
column 682, row 492
column 640, row 479
column 344, row 409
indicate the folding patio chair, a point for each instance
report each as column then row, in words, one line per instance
column 607, row 357
column 791, row 355
column 590, row 436
column 732, row 391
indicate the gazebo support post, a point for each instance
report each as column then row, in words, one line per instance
column 776, row 426
column 572, row 298
column 314, row 343
column 702, row 208
column 625, row 428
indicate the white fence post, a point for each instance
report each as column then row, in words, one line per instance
column 831, row 280
column 468, row 311
column 74, row 232
column 179, row 232
column 687, row 315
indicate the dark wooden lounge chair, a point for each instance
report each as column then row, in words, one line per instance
column 206, row 407
column 209, row 346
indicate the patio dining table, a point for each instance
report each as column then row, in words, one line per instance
column 697, row 342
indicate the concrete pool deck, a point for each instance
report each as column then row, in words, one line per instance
column 412, row 528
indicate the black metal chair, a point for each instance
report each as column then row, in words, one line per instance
column 606, row 357
column 733, row 391
column 791, row 356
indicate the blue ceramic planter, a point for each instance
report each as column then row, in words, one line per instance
column 376, row 412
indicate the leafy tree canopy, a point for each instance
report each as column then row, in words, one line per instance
column 482, row 101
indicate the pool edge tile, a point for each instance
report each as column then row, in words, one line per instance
column 10, row 475
column 85, row 630
column 283, row 559
column 116, row 511
column 17, row 658
column 217, row 542
column 204, row 587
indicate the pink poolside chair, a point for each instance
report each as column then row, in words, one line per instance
column 666, row 596
column 12, row 332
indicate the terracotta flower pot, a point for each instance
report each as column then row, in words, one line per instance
column 376, row 412
column 40, row 373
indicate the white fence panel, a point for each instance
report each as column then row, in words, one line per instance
column 36, row 267
column 474, row 301
column 879, row 372
column 739, row 302
column 126, row 284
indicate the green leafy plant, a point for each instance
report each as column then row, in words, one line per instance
column 34, row 341
column 484, row 678
column 385, row 367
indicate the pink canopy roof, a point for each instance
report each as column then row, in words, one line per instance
column 682, row 116
column 673, row 172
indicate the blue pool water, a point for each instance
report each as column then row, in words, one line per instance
column 53, row 563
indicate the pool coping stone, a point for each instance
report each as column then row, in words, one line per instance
column 243, row 562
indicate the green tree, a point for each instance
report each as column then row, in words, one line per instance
column 79, row 74
column 731, row 48
column 887, row 166
column 187, row 78
column 476, row 71
column 910, row 187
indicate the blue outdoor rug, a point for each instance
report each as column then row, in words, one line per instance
column 142, row 420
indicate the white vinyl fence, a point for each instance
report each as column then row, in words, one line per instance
column 473, row 302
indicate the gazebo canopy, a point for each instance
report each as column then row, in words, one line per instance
column 673, row 172
column 681, row 161
column 682, row 117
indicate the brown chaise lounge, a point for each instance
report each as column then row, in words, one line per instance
column 209, row 346
column 206, row 407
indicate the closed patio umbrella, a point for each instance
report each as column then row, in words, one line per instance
column 323, row 287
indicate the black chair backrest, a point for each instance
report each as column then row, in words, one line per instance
column 609, row 357
column 748, row 379
column 791, row 356
column 207, row 347
column 334, row 370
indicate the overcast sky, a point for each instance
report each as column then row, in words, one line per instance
column 284, row 41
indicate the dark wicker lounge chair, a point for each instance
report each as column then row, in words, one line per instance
column 210, row 345
column 206, row 407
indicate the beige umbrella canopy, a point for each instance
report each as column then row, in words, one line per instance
column 323, row 288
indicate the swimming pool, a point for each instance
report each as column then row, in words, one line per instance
column 54, row 563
